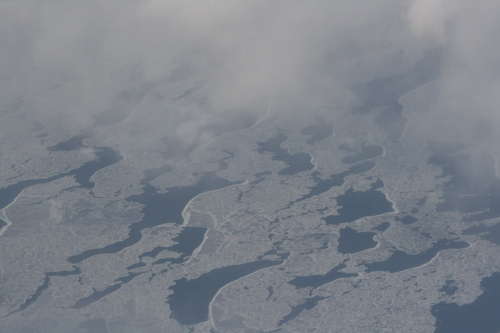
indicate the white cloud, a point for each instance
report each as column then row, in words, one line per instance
column 469, row 85
column 69, row 60
column 430, row 18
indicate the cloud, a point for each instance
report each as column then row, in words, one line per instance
column 469, row 82
column 430, row 18
column 69, row 61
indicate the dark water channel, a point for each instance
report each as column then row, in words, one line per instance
column 358, row 204
column 449, row 288
column 351, row 241
column 45, row 285
column 315, row 281
column 72, row 144
column 105, row 157
column 188, row 240
column 491, row 234
column 324, row 185
column 296, row 163
column 159, row 208
column 399, row 260
column 482, row 315
column 386, row 92
column 336, row 180
column 190, row 299
column 98, row 294
column 308, row 304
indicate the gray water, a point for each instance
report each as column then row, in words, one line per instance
column 358, row 204
column 45, row 285
column 2, row 224
column 482, row 315
column 315, row 281
column 385, row 92
column 105, row 157
column 308, row 304
column 296, row 163
column 190, row 298
column 449, row 288
column 159, row 208
column 351, row 241
column 400, row 261
column 491, row 234
column 97, row 295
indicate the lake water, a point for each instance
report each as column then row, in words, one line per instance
column 358, row 204
column 478, row 316
column 400, row 260
column 351, row 241
column 296, row 163
column 315, row 281
column 190, row 298
column 159, row 208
